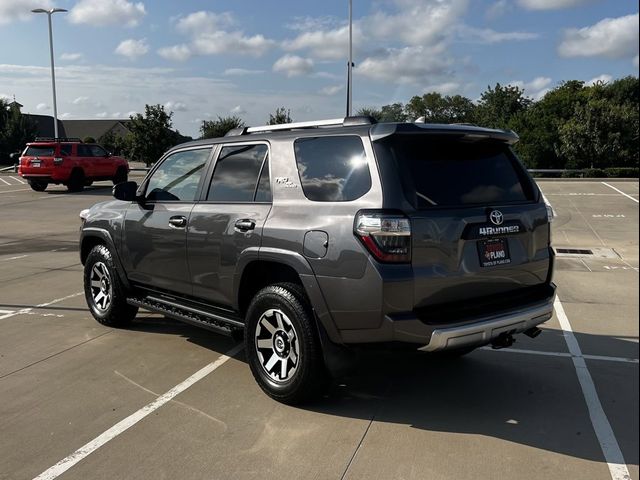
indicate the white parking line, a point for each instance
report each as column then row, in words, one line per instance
column 11, row 191
column 620, row 191
column 27, row 310
column 608, row 443
column 19, row 180
column 4, row 181
column 563, row 354
column 87, row 449
column 13, row 258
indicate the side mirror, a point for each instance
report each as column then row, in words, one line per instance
column 125, row 191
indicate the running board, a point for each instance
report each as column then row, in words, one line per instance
column 194, row 316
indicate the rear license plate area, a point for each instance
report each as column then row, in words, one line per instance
column 493, row 252
column 35, row 163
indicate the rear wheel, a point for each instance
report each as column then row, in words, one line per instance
column 38, row 185
column 120, row 176
column 103, row 290
column 282, row 345
column 76, row 181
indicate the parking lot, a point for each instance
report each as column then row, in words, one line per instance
column 166, row 400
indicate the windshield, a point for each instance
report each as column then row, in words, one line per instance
column 450, row 172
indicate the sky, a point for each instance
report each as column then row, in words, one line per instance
column 204, row 59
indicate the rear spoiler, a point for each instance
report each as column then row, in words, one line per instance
column 462, row 131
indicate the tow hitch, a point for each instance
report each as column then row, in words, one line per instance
column 504, row 340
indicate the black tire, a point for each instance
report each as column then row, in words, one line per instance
column 76, row 181
column 38, row 185
column 88, row 183
column 120, row 176
column 285, row 307
column 115, row 312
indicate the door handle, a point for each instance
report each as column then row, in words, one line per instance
column 245, row 225
column 178, row 221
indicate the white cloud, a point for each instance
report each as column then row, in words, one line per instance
column 238, row 110
column 610, row 38
column 445, row 88
column 489, row 36
column 71, row 57
column 11, row 10
column 132, row 48
column 551, row 4
column 209, row 34
column 307, row 23
column 101, row 115
column 331, row 90
column 408, row 65
column 240, row 72
column 42, row 106
column 605, row 78
column 536, row 88
column 176, row 106
column 66, row 116
column 325, row 44
column 177, row 53
column 293, row 65
column 107, row 12
column 81, row 100
column 497, row 9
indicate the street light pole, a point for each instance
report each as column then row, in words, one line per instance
column 350, row 66
column 53, row 73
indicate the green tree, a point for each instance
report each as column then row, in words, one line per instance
column 89, row 140
column 16, row 130
column 280, row 116
column 393, row 113
column 220, row 127
column 499, row 106
column 372, row 112
column 151, row 134
column 436, row 108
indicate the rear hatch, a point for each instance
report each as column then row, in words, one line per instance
column 478, row 226
column 38, row 159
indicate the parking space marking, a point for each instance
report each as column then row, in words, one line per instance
column 562, row 354
column 41, row 305
column 21, row 190
column 621, row 192
column 13, row 258
column 4, row 181
column 608, row 443
column 19, row 180
column 87, row 449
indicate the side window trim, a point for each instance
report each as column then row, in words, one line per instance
column 142, row 189
column 264, row 162
column 214, row 162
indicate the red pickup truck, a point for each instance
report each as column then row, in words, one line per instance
column 69, row 162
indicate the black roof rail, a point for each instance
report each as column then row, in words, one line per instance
column 59, row 139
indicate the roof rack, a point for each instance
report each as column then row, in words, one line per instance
column 335, row 122
column 59, row 139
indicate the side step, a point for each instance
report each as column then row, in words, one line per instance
column 194, row 316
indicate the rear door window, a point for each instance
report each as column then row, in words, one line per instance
column 97, row 151
column 40, row 151
column 235, row 177
column 66, row 149
column 444, row 172
column 84, row 151
column 332, row 169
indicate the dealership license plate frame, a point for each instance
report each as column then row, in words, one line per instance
column 496, row 245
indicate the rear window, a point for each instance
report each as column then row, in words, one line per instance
column 40, row 151
column 332, row 169
column 444, row 172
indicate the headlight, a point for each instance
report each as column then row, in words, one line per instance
column 84, row 214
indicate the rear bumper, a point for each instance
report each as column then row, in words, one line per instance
column 470, row 332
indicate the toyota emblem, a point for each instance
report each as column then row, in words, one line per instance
column 496, row 217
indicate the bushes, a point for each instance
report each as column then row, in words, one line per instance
column 614, row 172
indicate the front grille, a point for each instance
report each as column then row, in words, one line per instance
column 491, row 305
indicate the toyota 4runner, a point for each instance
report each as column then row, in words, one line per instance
column 307, row 238
column 69, row 162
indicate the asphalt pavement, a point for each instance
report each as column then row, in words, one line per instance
column 166, row 400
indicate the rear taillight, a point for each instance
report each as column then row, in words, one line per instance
column 58, row 160
column 387, row 236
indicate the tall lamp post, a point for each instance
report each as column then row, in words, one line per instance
column 53, row 73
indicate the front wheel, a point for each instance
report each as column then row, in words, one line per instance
column 37, row 185
column 103, row 290
column 282, row 345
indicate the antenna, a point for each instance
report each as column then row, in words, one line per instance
column 350, row 64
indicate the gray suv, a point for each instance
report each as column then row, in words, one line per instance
column 308, row 238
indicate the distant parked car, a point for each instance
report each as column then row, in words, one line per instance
column 69, row 162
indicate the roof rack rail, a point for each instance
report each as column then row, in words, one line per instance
column 334, row 122
column 59, row 139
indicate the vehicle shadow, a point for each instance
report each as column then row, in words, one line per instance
column 531, row 400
